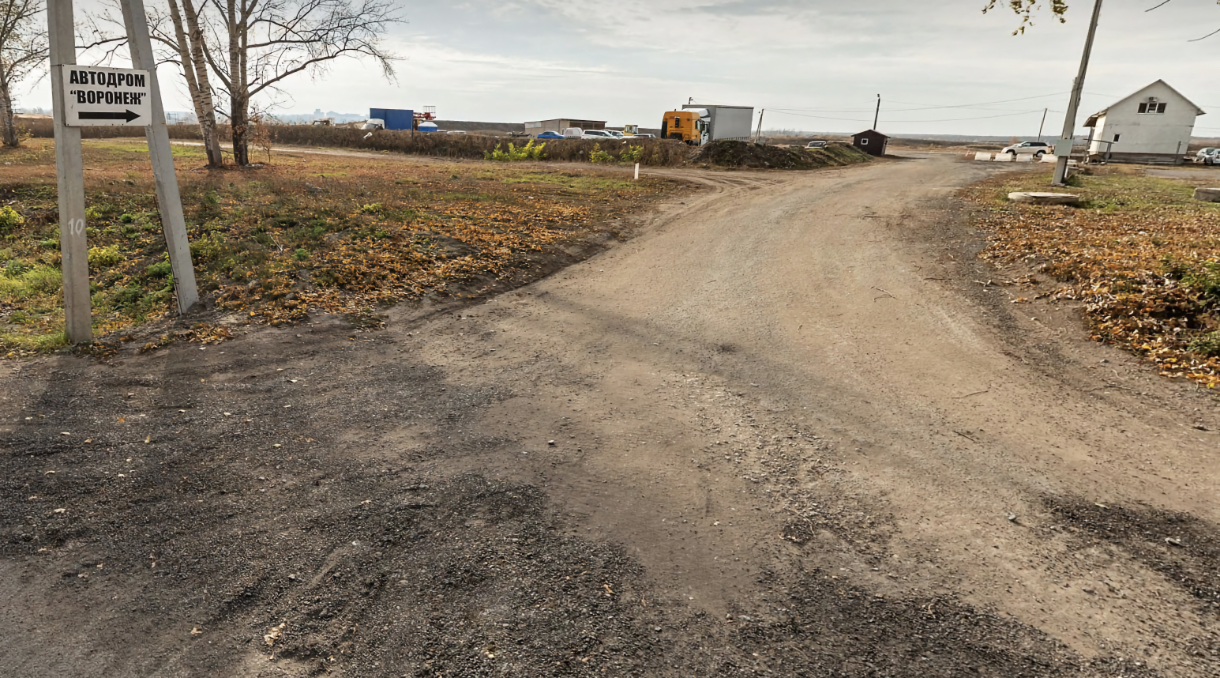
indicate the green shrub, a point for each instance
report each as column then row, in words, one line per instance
column 529, row 151
column 10, row 219
column 300, row 255
column 1204, row 279
column 632, row 155
column 1206, row 345
column 597, row 155
column 208, row 247
column 104, row 256
column 159, row 270
column 30, row 283
column 372, row 208
column 14, row 268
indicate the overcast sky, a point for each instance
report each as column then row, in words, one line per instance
column 812, row 64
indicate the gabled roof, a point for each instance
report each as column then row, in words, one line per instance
column 870, row 131
column 1092, row 121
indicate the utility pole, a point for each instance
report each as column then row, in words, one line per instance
column 169, row 200
column 1042, row 124
column 70, row 182
column 1063, row 149
column 758, row 134
column 877, row 116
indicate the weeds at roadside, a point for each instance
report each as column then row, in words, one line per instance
column 268, row 249
column 1141, row 255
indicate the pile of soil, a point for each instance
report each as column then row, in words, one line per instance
column 727, row 153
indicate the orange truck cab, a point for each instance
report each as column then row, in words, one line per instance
column 690, row 126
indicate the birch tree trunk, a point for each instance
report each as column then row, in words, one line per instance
column 8, row 129
column 194, row 68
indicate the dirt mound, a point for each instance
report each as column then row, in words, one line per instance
column 756, row 156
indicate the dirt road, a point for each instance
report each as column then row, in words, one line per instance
column 787, row 430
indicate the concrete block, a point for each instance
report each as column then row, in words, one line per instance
column 1003, row 157
column 1025, row 158
column 1207, row 194
column 1049, row 158
column 982, row 156
column 1045, row 198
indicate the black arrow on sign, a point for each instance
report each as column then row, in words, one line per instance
column 94, row 115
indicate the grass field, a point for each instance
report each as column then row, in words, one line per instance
column 1141, row 254
column 331, row 233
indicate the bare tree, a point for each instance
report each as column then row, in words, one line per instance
column 267, row 41
column 178, row 38
column 187, row 41
column 23, row 48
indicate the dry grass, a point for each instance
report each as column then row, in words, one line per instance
column 1141, row 255
column 309, row 232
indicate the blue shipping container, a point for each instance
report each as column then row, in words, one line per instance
column 395, row 118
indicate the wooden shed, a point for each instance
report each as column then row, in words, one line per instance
column 870, row 141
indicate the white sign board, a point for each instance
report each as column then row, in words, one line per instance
column 103, row 97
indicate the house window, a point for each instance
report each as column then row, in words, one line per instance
column 1152, row 108
column 864, row 142
column 1116, row 136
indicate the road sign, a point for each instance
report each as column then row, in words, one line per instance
column 100, row 97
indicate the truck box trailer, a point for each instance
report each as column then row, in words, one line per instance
column 395, row 118
column 727, row 122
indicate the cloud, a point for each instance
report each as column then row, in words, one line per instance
column 631, row 60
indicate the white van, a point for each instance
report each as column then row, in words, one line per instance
column 573, row 133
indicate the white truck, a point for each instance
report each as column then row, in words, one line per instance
column 725, row 122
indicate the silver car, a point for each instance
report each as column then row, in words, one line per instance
column 1208, row 156
column 1034, row 148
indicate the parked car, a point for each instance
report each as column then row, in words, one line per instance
column 549, row 135
column 817, row 143
column 616, row 134
column 597, row 134
column 1208, row 156
column 645, row 135
column 455, row 131
column 573, row 133
column 373, row 123
column 1034, row 148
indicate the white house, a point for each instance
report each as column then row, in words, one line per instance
column 1152, row 125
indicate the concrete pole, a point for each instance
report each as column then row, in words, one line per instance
column 1064, row 148
column 1042, row 124
column 877, row 115
column 758, row 133
column 173, row 224
column 70, row 180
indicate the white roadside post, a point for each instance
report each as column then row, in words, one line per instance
column 70, row 177
column 173, row 224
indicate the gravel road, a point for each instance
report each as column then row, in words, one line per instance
column 794, row 427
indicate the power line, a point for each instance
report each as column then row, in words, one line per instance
column 983, row 103
column 905, row 122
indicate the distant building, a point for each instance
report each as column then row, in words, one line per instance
column 560, row 124
column 181, row 118
column 870, row 141
column 1152, row 125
